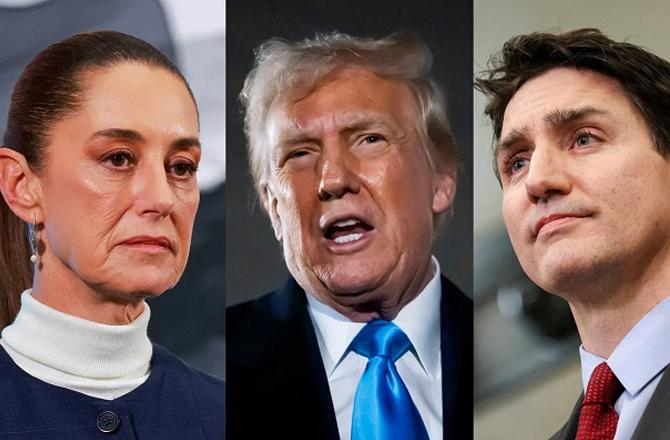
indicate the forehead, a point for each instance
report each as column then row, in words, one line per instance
column 137, row 96
column 562, row 89
column 342, row 99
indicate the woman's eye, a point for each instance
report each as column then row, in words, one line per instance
column 119, row 159
column 183, row 169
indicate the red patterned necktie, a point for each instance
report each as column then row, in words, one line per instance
column 598, row 419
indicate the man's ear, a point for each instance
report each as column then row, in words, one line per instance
column 19, row 186
column 444, row 187
column 269, row 202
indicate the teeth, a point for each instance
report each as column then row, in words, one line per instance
column 348, row 238
column 344, row 223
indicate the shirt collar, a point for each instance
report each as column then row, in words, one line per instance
column 641, row 355
column 420, row 320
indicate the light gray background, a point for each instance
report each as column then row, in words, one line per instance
column 533, row 380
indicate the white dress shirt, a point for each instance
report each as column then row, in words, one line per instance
column 638, row 362
column 421, row 369
column 99, row 360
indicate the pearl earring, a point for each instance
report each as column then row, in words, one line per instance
column 32, row 236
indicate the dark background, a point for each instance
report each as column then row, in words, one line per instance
column 255, row 264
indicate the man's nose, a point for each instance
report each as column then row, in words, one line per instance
column 153, row 193
column 338, row 174
column 548, row 174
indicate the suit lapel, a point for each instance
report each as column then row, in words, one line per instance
column 278, row 385
column 302, row 366
column 655, row 420
column 456, row 346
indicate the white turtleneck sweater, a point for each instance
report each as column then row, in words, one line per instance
column 99, row 360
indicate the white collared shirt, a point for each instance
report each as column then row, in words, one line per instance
column 421, row 372
column 638, row 362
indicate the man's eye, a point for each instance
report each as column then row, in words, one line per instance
column 584, row 139
column 119, row 159
column 372, row 138
column 517, row 164
column 297, row 153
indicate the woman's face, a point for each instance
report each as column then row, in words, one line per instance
column 119, row 191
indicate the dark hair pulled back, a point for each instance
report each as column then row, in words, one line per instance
column 50, row 88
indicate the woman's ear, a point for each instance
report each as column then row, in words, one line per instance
column 19, row 186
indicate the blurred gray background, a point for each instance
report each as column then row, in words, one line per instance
column 527, row 373
column 189, row 319
column 255, row 264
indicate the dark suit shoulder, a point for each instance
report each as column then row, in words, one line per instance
column 191, row 405
column 274, row 370
column 208, row 392
column 208, row 389
column 455, row 296
column 456, row 316
column 256, row 328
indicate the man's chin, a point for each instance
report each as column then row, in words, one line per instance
column 358, row 299
column 352, row 288
column 570, row 272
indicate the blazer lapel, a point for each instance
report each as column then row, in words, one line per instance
column 303, row 366
column 654, row 423
column 277, row 383
column 655, row 420
column 456, row 346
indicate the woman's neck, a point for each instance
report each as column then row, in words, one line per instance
column 60, row 288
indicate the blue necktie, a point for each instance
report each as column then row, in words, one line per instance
column 383, row 408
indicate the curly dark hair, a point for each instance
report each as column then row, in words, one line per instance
column 643, row 76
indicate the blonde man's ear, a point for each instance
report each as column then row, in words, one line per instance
column 269, row 203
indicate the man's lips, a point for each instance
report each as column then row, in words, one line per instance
column 345, row 228
column 555, row 219
column 148, row 242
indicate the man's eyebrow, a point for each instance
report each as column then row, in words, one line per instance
column 295, row 134
column 513, row 138
column 556, row 118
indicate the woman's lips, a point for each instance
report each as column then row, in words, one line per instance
column 148, row 243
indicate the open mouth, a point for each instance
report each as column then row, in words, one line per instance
column 347, row 230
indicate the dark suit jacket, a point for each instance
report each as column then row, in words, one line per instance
column 175, row 403
column 654, row 423
column 277, row 385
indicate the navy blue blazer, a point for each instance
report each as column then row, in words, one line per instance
column 175, row 403
column 277, row 385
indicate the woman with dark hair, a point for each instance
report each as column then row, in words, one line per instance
column 97, row 174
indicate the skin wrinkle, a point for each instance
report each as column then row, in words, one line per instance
column 611, row 265
column 147, row 112
column 388, row 180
